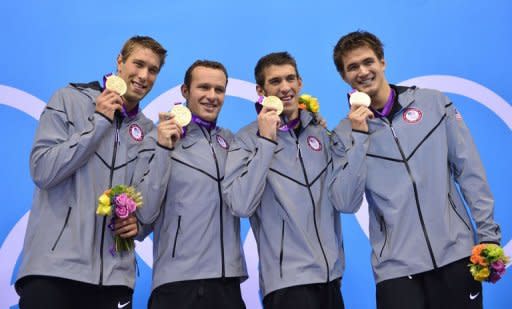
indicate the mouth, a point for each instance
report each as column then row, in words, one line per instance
column 210, row 107
column 138, row 87
column 366, row 82
column 287, row 99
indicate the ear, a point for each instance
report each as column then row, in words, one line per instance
column 383, row 61
column 260, row 90
column 299, row 82
column 185, row 91
column 119, row 63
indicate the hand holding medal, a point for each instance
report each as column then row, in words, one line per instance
column 359, row 111
column 171, row 125
column 268, row 118
column 110, row 102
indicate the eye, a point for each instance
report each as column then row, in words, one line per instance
column 351, row 68
column 291, row 78
column 274, row 81
column 220, row 90
column 369, row 61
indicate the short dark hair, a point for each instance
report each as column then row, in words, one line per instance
column 203, row 63
column 146, row 42
column 355, row 40
column 278, row 58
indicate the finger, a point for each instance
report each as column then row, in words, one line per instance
column 163, row 116
column 128, row 231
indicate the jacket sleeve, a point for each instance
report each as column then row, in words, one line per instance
column 151, row 178
column 347, row 178
column 247, row 167
column 469, row 173
column 57, row 153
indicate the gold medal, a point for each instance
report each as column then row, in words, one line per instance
column 117, row 84
column 360, row 98
column 273, row 102
column 182, row 115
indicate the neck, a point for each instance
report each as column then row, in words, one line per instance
column 291, row 115
column 380, row 99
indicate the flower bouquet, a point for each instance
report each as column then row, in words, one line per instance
column 122, row 201
column 309, row 103
column 488, row 262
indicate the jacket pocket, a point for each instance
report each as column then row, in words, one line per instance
column 452, row 204
column 62, row 229
column 383, row 229
column 281, row 252
column 176, row 236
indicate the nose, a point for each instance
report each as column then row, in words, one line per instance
column 210, row 94
column 143, row 74
column 285, row 87
column 363, row 70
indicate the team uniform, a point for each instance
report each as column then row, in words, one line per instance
column 77, row 154
column 420, row 231
column 283, row 188
column 198, row 258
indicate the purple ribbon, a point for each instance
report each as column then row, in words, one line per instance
column 387, row 107
column 290, row 125
column 208, row 125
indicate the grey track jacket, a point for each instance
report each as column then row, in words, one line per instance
column 283, row 188
column 417, row 217
column 195, row 235
column 74, row 158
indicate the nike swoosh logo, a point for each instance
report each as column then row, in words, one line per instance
column 471, row 296
column 123, row 305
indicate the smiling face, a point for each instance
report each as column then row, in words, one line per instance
column 283, row 82
column 205, row 95
column 139, row 71
column 363, row 71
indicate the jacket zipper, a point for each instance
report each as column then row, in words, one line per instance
column 62, row 230
column 119, row 121
column 383, row 227
column 281, row 253
column 314, row 206
column 176, row 236
column 221, row 216
column 456, row 212
column 420, row 214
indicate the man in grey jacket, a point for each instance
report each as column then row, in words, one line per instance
column 87, row 140
column 277, row 174
column 420, row 151
column 197, row 252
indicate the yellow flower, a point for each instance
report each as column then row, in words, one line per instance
column 104, row 208
column 313, row 105
column 309, row 102
column 482, row 274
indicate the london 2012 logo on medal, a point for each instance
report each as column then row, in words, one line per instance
column 412, row 115
column 136, row 132
column 314, row 143
column 222, row 142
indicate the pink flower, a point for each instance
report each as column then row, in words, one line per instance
column 124, row 200
column 121, row 199
column 131, row 205
column 498, row 267
column 122, row 211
